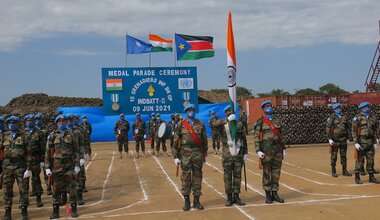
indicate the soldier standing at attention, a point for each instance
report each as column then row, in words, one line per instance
column 337, row 133
column 87, row 127
column 121, row 129
column 62, row 153
column 190, row 151
column 232, row 159
column 139, row 129
column 151, row 129
column 172, row 123
column 244, row 120
column 271, row 150
column 16, row 166
column 158, row 122
column 365, row 134
column 35, row 139
column 215, row 130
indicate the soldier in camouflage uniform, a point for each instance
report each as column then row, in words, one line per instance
column 15, row 166
column 121, row 129
column 39, row 126
column 337, row 133
column 190, row 151
column 365, row 134
column 35, row 139
column 151, row 130
column 158, row 140
column 232, row 161
column 62, row 163
column 139, row 133
column 172, row 123
column 244, row 120
column 87, row 129
column 215, row 130
column 271, row 150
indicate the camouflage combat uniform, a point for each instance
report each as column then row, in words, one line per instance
column 192, row 156
column 244, row 120
column 337, row 129
column 45, row 133
column 87, row 128
column 79, row 133
column 139, row 130
column 61, row 156
column 151, row 132
column 121, row 129
column 16, row 160
column 215, row 130
column 158, row 140
column 35, row 139
column 365, row 132
column 271, row 147
column 173, row 124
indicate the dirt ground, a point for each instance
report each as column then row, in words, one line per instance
column 147, row 188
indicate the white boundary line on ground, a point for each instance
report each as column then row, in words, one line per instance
column 93, row 158
column 145, row 197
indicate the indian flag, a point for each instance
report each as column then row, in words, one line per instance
column 231, row 69
column 114, row 84
column 160, row 44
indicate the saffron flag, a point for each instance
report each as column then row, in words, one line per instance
column 193, row 47
column 160, row 44
column 114, row 84
column 231, row 69
column 136, row 46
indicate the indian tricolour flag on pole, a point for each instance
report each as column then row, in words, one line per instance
column 231, row 69
column 114, row 84
column 160, row 44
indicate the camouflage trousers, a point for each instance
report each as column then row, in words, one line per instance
column 369, row 154
column 342, row 147
column 191, row 165
column 81, row 178
column 171, row 141
column 271, row 172
column 232, row 171
column 158, row 144
column 9, row 178
column 140, row 142
column 64, row 181
column 151, row 140
column 215, row 141
column 36, row 180
column 122, row 142
column 87, row 145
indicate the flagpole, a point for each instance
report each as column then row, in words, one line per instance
column 175, row 52
column 126, row 49
column 149, row 53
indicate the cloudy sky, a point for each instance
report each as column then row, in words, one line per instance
column 59, row 47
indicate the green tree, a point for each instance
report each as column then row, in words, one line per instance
column 308, row 91
column 332, row 89
column 274, row 92
column 243, row 92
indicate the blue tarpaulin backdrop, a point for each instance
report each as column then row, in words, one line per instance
column 102, row 125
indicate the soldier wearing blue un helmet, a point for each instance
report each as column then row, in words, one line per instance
column 120, row 130
column 337, row 129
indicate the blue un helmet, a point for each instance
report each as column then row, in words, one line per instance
column 60, row 117
column 363, row 104
column 336, row 105
column 266, row 102
column 29, row 116
column 227, row 108
column 189, row 106
column 13, row 126
column 1, row 118
column 38, row 116
column 269, row 109
column 13, row 118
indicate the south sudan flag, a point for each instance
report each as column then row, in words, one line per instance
column 193, row 47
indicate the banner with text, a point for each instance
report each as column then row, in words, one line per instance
column 150, row 89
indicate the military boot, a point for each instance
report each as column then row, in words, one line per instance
column 372, row 179
column 357, row 178
column 345, row 172
column 276, row 198
column 74, row 211
column 39, row 201
column 237, row 200
column 55, row 213
column 268, row 197
column 229, row 201
column 362, row 171
column 187, row 206
column 197, row 204
column 63, row 199
column 24, row 213
column 80, row 197
column 333, row 172
column 8, row 213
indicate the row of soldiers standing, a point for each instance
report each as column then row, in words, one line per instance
column 27, row 149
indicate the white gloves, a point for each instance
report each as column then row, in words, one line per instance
column 81, row 162
column 27, row 174
column 377, row 140
column 86, row 157
column 348, row 141
column 144, row 136
column 48, row 172
column 331, row 142
column 232, row 117
column 76, row 170
column 357, row 146
column 42, row 164
column 375, row 146
column 283, row 154
column 260, row 154
column 177, row 161
column 245, row 157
